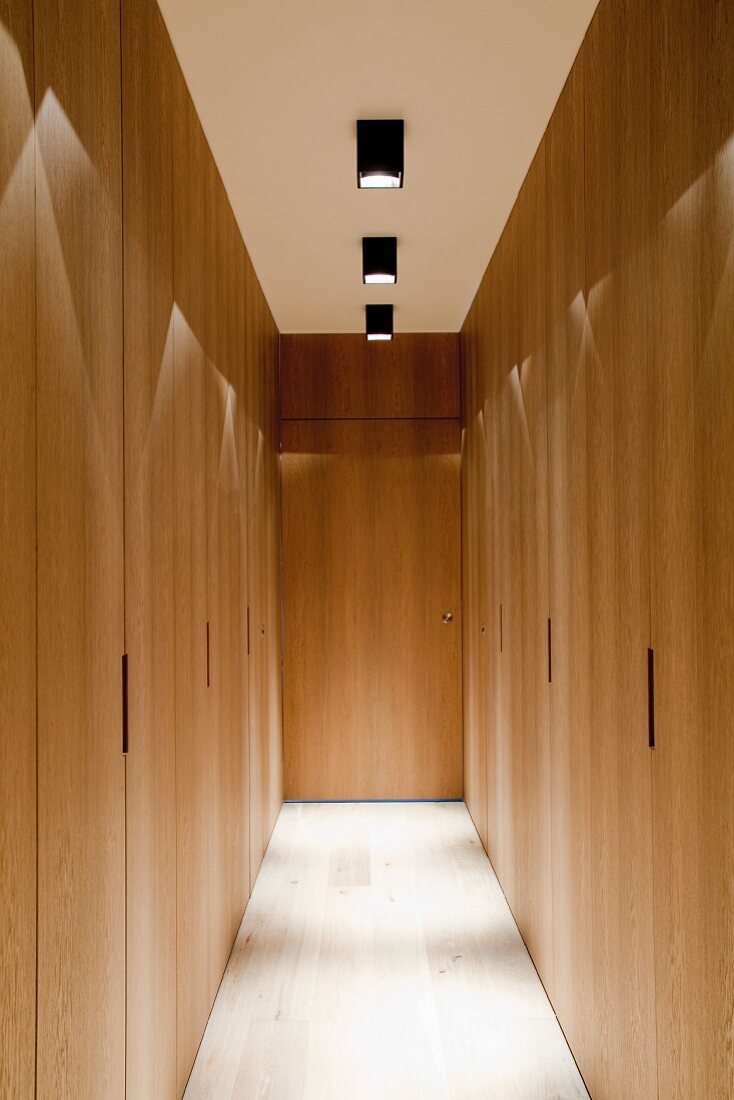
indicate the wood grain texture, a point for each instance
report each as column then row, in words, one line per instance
column 193, row 732
column 342, row 375
column 18, row 557
column 534, row 814
column 148, row 156
column 475, row 530
column 256, row 559
column 618, row 63
column 378, row 957
column 371, row 515
column 508, row 729
column 489, row 365
column 263, row 503
column 693, row 534
column 574, row 880
column 273, row 762
column 81, row 811
column 228, row 797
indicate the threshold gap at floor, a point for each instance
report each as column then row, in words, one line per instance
column 378, row 958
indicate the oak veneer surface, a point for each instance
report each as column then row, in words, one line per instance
column 529, row 384
column 371, row 559
column 378, row 958
column 508, row 730
column 692, row 539
column 257, row 560
column 342, row 375
column 193, row 730
column 81, row 809
column 273, row 771
column 221, row 485
column 148, row 154
column 488, row 364
column 263, row 486
column 18, row 557
column 571, row 774
column 474, row 534
column 618, row 62
column 241, row 848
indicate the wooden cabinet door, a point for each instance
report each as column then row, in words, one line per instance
column 81, row 807
column 508, row 730
column 473, row 546
column 530, row 409
column 371, row 563
column 263, row 506
column 571, row 778
column 193, row 734
column 693, row 548
column 148, row 66
column 617, row 67
column 18, row 555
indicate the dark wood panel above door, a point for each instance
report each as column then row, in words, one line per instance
column 342, row 375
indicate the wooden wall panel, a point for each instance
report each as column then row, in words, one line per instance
column 371, row 558
column 618, row 62
column 505, row 335
column 692, row 539
column 529, row 384
column 81, row 823
column 148, row 151
column 18, row 557
column 342, row 376
column 241, row 755
column 489, row 366
column 257, row 567
column 571, row 777
column 273, row 758
column 263, row 487
column 474, row 534
column 219, row 484
column 193, row 733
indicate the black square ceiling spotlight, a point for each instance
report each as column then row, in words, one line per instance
column 380, row 152
column 379, row 259
column 379, row 322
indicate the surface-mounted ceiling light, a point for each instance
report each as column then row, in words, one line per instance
column 379, row 259
column 380, row 152
column 379, row 322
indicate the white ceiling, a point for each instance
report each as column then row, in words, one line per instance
column 278, row 85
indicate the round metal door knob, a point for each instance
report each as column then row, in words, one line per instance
column 448, row 617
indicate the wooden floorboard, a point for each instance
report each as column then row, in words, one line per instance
column 378, row 958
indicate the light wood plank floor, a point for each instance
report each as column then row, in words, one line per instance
column 379, row 959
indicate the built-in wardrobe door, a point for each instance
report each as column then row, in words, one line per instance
column 509, row 577
column 567, row 351
column 489, row 358
column 529, row 409
column 263, row 502
column 81, row 812
column 18, row 556
column 273, row 756
column 617, row 64
column 693, row 547
column 227, row 799
column 193, row 734
column 148, row 155
column 241, row 850
column 473, row 547
column 256, row 557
